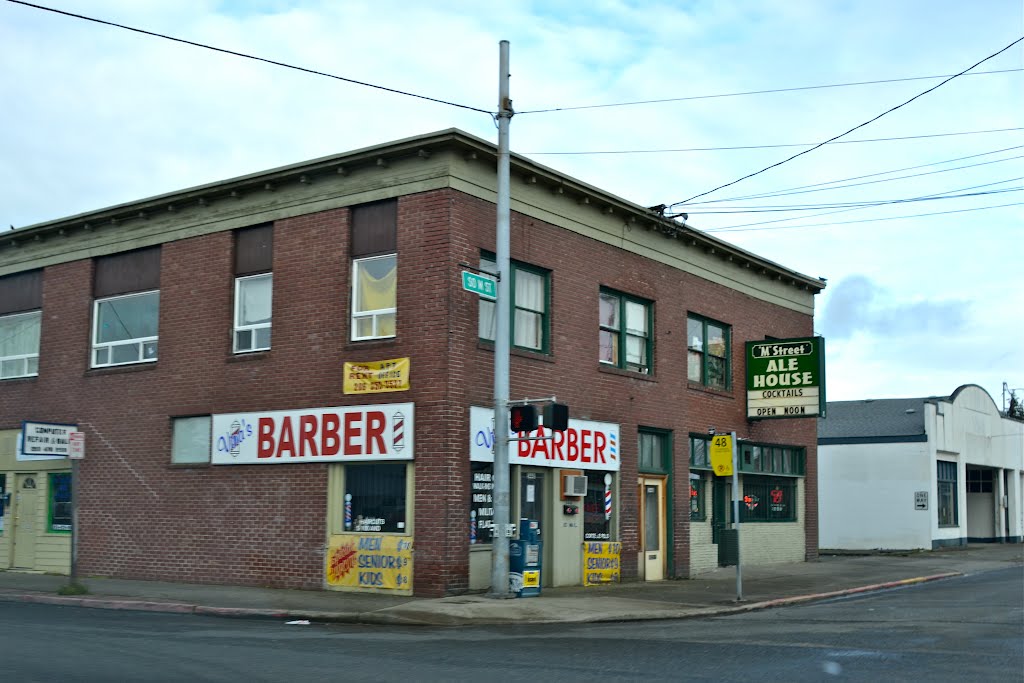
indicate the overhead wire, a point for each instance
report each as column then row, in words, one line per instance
column 856, row 208
column 864, row 220
column 253, row 57
column 788, row 190
column 836, row 205
column 755, row 92
column 701, row 209
column 791, row 144
column 858, row 126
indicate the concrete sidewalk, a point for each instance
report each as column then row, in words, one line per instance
column 709, row 594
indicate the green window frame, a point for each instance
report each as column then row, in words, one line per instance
column 530, row 325
column 700, row 455
column 758, row 458
column 946, row 489
column 708, row 344
column 698, row 497
column 768, row 499
column 59, row 503
column 654, row 451
column 626, row 331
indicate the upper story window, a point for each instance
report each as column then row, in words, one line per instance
column 707, row 352
column 625, row 339
column 126, row 312
column 374, row 270
column 655, row 451
column 19, row 324
column 530, row 295
column 254, row 288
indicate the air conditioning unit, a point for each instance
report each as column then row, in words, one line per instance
column 575, row 485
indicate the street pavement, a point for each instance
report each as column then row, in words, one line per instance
column 710, row 594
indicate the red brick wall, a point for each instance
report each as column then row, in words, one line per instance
column 143, row 518
column 580, row 267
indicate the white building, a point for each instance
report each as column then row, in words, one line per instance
column 897, row 474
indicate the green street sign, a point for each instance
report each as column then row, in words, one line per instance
column 786, row 378
column 483, row 285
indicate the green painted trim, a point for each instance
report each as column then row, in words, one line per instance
column 648, row 305
column 727, row 331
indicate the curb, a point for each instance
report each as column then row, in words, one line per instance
column 394, row 617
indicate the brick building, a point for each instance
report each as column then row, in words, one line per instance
column 349, row 449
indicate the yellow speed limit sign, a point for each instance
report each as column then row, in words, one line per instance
column 721, row 455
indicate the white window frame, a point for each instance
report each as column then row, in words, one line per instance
column 250, row 328
column 375, row 314
column 27, row 358
column 139, row 342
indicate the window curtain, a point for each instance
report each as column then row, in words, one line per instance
column 376, row 284
column 254, row 301
column 19, row 335
column 529, row 299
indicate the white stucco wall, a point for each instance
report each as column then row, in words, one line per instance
column 970, row 430
column 866, row 496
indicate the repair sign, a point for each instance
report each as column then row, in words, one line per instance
column 349, row 433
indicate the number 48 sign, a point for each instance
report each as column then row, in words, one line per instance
column 721, row 455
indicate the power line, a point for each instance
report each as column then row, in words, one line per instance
column 869, row 121
column 791, row 190
column 858, row 208
column 253, row 57
column 858, row 205
column 864, row 220
column 754, row 92
column 701, row 209
column 792, row 144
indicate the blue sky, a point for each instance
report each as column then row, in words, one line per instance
column 93, row 116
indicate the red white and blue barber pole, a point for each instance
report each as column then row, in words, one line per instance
column 398, row 431
column 348, row 512
column 607, row 496
column 472, row 526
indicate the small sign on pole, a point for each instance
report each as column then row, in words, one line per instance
column 721, row 455
column 76, row 445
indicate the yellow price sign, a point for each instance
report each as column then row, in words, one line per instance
column 721, row 455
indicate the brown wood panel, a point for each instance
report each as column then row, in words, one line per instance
column 132, row 271
column 21, row 292
column 374, row 227
column 254, row 249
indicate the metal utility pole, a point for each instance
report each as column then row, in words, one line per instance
column 736, row 515
column 502, row 341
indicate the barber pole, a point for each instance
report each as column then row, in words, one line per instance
column 398, row 431
column 348, row 512
column 472, row 526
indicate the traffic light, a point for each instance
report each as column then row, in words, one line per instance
column 556, row 417
column 523, row 418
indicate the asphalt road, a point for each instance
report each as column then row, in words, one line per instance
column 970, row 628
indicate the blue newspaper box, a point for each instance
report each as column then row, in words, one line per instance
column 524, row 560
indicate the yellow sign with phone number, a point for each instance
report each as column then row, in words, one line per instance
column 721, row 455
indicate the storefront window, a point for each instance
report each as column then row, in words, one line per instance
column 481, row 508
column 60, row 502
column 3, row 499
column 768, row 500
column 375, row 498
column 698, row 509
column 597, row 507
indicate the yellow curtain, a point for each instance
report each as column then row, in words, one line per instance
column 374, row 294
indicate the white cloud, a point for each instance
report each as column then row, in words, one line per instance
column 95, row 116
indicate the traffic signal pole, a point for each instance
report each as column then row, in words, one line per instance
column 502, row 339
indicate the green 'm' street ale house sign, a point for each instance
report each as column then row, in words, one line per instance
column 786, row 378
